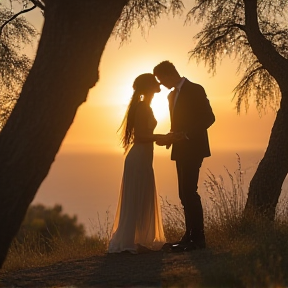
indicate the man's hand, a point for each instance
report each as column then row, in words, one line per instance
column 168, row 139
column 180, row 136
column 165, row 140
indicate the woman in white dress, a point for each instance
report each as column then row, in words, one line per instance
column 138, row 221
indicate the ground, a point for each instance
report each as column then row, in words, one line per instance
column 154, row 269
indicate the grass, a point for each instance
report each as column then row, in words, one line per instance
column 36, row 250
column 257, row 248
column 32, row 252
column 241, row 252
column 244, row 252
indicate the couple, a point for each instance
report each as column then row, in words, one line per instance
column 138, row 222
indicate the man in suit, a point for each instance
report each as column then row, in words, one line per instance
column 191, row 115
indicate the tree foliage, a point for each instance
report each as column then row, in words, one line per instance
column 14, row 64
column 224, row 34
column 144, row 14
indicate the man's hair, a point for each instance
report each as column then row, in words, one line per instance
column 164, row 68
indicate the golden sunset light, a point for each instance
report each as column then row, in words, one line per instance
column 160, row 105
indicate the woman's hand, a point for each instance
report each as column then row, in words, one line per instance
column 168, row 139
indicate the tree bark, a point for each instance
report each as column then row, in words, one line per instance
column 266, row 53
column 73, row 38
column 266, row 184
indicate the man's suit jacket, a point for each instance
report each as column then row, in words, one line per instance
column 193, row 115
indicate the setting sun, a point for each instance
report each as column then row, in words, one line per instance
column 160, row 104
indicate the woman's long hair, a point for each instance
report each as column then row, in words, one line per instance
column 141, row 85
column 127, row 125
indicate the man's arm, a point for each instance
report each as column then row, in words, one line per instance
column 204, row 116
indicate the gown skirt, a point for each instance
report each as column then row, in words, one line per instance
column 138, row 217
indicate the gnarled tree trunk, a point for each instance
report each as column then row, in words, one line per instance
column 66, row 67
column 266, row 184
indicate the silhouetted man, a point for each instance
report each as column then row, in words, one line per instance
column 191, row 115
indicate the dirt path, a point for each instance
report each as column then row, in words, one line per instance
column 154, row 269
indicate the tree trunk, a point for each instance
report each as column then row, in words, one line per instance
column 66, row 67
column 266, row 184
column 276, row 64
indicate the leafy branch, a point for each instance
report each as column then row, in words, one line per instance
column 15, row 16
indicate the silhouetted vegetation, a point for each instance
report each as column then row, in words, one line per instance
column 49, row 223
column 48, row 235
column 15, row 34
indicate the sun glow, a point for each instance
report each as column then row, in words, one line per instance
column 160, row 104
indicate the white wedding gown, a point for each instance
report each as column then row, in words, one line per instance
column 138, row 217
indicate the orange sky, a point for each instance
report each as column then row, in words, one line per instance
column 88, row 187
column 98, row 119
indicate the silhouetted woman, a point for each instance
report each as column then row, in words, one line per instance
column 138, row 222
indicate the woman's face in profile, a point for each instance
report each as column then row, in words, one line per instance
column 155, row 87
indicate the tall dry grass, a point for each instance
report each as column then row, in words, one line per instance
column 36, row 251
column 241, row 252
column 257, row 249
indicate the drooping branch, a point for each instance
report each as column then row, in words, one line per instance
column 143, row 14
column 15, row 16
column 259, row 83
column 217, row 42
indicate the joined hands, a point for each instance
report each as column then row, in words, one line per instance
column 168, row 139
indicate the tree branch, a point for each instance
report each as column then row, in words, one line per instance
column 262, row 47
column 38, row 4
column 15, row 16
column 241, row 27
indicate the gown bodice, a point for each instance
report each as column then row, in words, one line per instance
column 145, row 122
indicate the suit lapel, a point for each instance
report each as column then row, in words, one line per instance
column 173, row 108
column 171, row 98
column 180, row 94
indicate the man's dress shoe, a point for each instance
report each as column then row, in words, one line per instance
column 183, row 246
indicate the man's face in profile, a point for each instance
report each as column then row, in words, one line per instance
column 166, row 80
